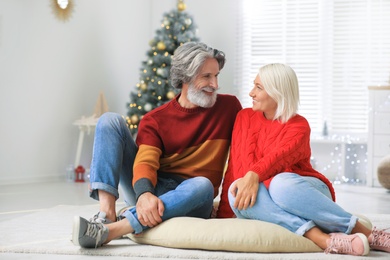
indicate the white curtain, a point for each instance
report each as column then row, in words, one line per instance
column 337, row 48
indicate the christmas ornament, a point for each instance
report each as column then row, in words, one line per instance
column 170, row 95
column 166, row 22
column 143, row 86
column 188, row 22
column 162, row 72
column 148, row 107
column 134, row 119
column 181, row 6
column 161, row 46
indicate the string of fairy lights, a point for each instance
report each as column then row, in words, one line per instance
column 345, row 159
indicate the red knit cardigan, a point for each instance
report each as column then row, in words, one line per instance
column 268, row 148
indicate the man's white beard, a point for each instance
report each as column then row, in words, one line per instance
column 199, row 98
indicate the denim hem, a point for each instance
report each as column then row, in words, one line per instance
column 133, row 222
column 95, row 186
column 352, row 224
column 305, row 227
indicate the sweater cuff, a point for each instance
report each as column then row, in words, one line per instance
column 141, row 186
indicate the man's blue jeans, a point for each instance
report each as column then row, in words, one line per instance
column 297, row 203
column 113, row 157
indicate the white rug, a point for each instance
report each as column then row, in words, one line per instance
column 49, row 232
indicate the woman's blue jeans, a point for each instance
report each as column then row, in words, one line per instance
column 297, row 203
column 113, row 157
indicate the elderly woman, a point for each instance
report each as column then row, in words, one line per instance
column 270, row 178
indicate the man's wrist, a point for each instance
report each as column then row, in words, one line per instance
column 141, row 186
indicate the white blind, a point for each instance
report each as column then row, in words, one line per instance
column 337, row 48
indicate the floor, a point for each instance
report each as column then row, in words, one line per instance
column 28, row 198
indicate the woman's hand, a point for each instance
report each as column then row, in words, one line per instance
column 245, row 190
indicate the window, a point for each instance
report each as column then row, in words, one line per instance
column 337, row 48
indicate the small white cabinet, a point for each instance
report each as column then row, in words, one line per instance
column 378, row 130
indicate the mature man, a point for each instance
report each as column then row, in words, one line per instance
column 176, row 166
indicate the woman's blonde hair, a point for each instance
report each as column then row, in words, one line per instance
column 281, row 84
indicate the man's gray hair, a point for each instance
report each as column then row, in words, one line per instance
column 189, row 58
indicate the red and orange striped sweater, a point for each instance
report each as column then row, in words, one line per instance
column 177, row 142
column 267, row 147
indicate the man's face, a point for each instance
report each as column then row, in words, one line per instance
column 202, row 91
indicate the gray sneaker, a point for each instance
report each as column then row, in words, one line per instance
column 88, row 234
column 100, row 217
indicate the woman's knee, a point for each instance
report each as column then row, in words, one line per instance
column 284, row 181
column 284, row 187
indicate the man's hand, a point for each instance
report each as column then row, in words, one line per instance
column 149, row 209
column 245, row 190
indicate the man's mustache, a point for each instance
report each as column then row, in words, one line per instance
column 209, row 89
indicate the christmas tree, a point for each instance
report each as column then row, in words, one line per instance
column 154, row 88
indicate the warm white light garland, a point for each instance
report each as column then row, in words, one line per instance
column 347, row 158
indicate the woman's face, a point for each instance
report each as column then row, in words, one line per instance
column 261, row 101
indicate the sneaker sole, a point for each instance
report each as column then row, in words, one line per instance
column 76, row 230
column 365, row 242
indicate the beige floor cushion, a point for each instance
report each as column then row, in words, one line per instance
column 237, row 235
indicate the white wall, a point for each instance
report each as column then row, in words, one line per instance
column 51, row 72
